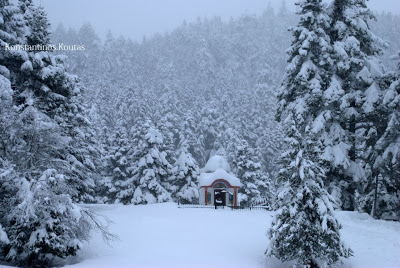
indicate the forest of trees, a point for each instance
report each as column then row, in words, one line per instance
column 211, row 86
column 133, row 122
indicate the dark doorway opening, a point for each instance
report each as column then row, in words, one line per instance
column 219, row 197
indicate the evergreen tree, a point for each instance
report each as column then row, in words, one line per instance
column 38, row 24
column 255, row 187
column 8, row 175
column 39, row 108
column 118, row 169
column 184, row 174
column 47, row 92
column 24, row 5
column 305, row 228
column 356, row 72
column 44, row 224
column 269, row 140
column 381, row 143
column 7, row 113
column 151, row 171
column 58, row 34
column 188, row 136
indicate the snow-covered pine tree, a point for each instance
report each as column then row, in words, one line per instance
column 12, row 30
column 166, row 126
column 305, row 229
column 8, row 175
column 117, row 169
column 151, row 170
column 188, row 136
column 184, row 178
column 355, row 75
column 82, row 152
column 248, row 169
column 44, row 224
column 31, row 123
column 24, row 5
column 44, row 88
column 264, row 99
column 7, row 113
column 35, row 90
column 39, row 26
column 382, row 143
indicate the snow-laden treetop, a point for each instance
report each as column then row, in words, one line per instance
column 215, row 163
column 217, row 168
column 154, row 136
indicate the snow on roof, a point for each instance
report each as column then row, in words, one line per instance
column 207, row 179
column 215, row 163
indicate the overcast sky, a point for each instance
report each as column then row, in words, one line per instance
column 135, row 18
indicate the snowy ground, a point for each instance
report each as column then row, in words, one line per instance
column 163, row 235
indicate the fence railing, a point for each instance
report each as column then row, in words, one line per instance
column 194, row 206
column 255, row 207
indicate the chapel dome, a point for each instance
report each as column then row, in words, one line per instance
column 217, row 162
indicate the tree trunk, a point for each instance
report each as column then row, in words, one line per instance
column 376, row 195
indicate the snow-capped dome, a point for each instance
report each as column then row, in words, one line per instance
column 217, row 162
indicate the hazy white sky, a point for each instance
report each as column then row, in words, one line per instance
column 135, row 18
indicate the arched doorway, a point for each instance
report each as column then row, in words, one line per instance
column 220, row 193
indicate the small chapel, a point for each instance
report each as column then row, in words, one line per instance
column 217, row 185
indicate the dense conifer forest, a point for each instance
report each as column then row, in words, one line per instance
column 308, row 118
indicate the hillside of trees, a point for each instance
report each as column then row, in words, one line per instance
column 208, row 86
column 134, row 122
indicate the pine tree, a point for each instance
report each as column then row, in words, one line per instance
column 8, row 175
column 305, row 228
column 383, row 141
column 82, row 152
column 44, row 224
column 117, row 190
column 43, row 127
column 46, row 91
column 264, row 102
column 151, row 170
column 184, row 179
column 12, row 29
column 248, row 169
column 7, row 113
column 39, row 106
column 188, row 136
column 59, row 34
column 356, row 73
column 38, row 24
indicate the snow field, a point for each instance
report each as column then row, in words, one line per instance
column 163, row 235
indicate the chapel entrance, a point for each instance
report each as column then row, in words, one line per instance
column 220, row 198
